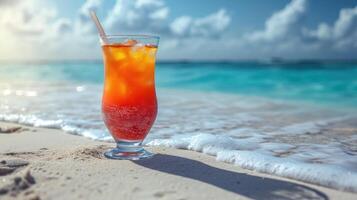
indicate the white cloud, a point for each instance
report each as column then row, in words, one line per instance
column 84, row 24
column 29, row 27
column 282, row 24
column 181, row 26
column 137, row 16
column 211, row 26
column 148, row 3
column 285, row 35
column 63, row 26
column 89, row 5
column 150, row 16
column 4, row 3
column 346, row 23
column 26, row 19
column 160, row 14
column 341, row 35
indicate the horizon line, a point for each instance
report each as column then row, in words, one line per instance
column 173, row 61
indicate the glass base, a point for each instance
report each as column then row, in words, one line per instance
column 128, row 151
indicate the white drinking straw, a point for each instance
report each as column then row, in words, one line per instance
column 99, row 27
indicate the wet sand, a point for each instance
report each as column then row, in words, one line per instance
column 39, row 163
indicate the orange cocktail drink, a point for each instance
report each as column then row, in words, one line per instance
column 129, row 102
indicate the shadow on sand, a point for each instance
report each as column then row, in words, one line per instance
column 247, row 185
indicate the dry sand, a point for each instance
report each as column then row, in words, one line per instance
column 38, row 163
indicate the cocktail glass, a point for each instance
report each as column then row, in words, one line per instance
column 129, row 104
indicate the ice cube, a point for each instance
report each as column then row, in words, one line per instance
column 119, row 55
column 129, row 42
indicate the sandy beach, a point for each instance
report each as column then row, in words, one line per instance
column 39, row 163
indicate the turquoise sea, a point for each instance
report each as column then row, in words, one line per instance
column 297, row 120
column 334, row 83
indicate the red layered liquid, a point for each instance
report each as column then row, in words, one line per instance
column 129, row 102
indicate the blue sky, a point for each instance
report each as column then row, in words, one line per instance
column 189, row 29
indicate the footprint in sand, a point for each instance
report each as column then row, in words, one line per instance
column 16, row 177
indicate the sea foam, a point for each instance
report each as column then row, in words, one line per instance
column 249, row 154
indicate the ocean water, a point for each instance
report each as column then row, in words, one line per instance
column 292, row 120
